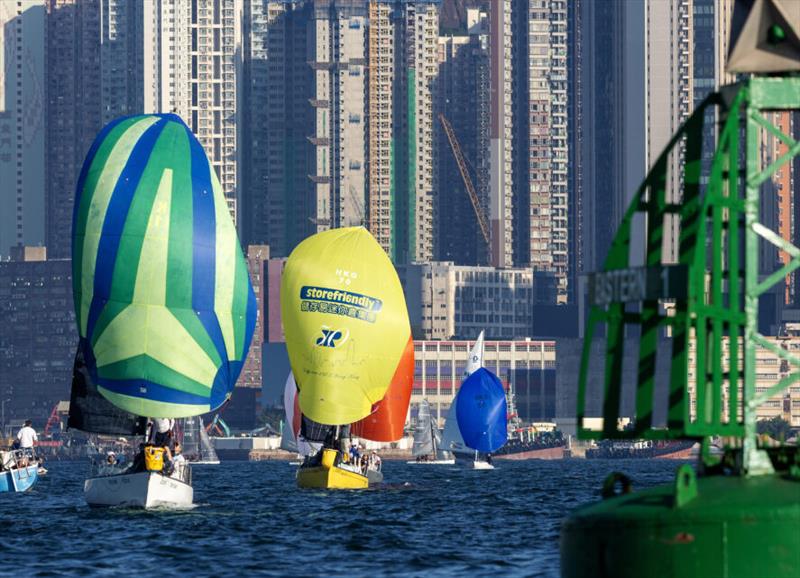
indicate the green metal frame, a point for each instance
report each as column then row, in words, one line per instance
column 721, row 305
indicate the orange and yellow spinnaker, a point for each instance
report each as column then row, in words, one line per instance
column 346, row 324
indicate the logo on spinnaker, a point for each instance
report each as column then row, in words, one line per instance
column 332, row 337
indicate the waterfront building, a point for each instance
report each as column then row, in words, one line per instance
column 339, row 100
column 770, row 368
column 447, row 301
column 526, row 369
column 22, row 105
column 37, row 345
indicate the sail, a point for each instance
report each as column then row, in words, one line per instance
column 452, row 440
column 288, row 439
column 346, row 323
column 423, row 436
column 91, row 412
column 475, row 359
column 191, row 438
column 481, row 411
column 163, row 301
column 441, row 454
column 388, row 418
column 207, row 451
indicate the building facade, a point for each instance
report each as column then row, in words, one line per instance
column 22, row 127
column 36, row 356
column 339, row 97
column 525, row 368
column 541, row 223
column 257, row 258
column 447, row 301
column 462, row 97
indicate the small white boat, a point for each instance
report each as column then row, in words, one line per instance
column 428, row 440
column 141, row 489
column 481, row 465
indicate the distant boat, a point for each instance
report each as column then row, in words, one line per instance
column 428, row 440
column 349, row 342
column 481, row 412
column 452, row 439
column 197, row 447
column 163, row 300
column 18, row 472
column 291, row 440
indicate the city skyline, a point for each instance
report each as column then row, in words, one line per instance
column 325, row 113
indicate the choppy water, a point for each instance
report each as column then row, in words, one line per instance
column 253, row 520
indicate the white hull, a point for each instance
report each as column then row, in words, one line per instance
column 433, row 462
column 478, row 465
column 140, row 490
column 205, row 463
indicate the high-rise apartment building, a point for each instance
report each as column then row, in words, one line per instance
column 607, row 135
column 74, row 112
column 22, row 105
column 462, row 97
column 501, row 127
column 669, row 94
column 110, row 58
column 344, row 120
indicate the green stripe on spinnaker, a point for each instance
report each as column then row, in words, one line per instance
column 240, row 294
column 100, row 197
column 92, row 176
column 181, row 242
column 156, row 332
column 226, row 248
column 194, row 327
column 140, row 218
column 151, row 278
column 155, row 371
column 141, row 406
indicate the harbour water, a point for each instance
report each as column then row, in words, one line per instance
column 251, row 519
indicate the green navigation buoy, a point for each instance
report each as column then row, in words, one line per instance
column 737, row 514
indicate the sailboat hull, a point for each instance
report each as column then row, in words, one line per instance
column 19, row 479
column 333, row 478
column 140, row 490
column 332, row 474
column 432, row 462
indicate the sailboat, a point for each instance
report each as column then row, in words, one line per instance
column 291, row 440
column 428, row 440
column 197, row 446
column 481, row 413
column 452, row 439
column 163, row 301
column 349, row 342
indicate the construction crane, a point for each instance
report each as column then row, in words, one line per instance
column 462, row 167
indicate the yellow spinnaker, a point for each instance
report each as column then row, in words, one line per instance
column 346, row 323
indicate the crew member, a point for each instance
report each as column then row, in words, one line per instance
column 26, row 437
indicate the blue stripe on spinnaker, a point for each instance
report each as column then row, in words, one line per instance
column 250, row 318
column 481, row 411
column 153, row 391
column 116, row 215
column 87, row 163
column 204, row 246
